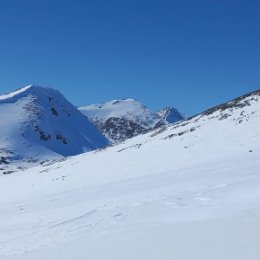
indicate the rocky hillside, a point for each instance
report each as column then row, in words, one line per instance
column 121, row 119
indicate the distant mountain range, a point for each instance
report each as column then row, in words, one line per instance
column 121, row 119
column 38, row 125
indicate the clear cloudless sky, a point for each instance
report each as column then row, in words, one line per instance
column 189, row 54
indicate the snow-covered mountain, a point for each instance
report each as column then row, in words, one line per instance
column 185, row 191
column 38, row 123
column 121, row 119
column 170, row 115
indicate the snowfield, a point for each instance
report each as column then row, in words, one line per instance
column 187, row 191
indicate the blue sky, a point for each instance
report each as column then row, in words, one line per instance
column 190, row 54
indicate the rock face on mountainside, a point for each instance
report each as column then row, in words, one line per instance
column 121, row 119
column 38, row 122
column 170, row 115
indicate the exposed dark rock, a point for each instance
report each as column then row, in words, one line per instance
column 64, row 140
column 43, row 136
column 54, row 111
column 120, row 129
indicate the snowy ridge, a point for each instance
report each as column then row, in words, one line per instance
column 184, row 191
column 15, row 93
column 129, row 108
column 39, row 123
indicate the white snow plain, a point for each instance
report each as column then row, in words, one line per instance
column 188, row 191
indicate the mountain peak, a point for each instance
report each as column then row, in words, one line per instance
column 122, row 118
column 28, row 90
column 38, row 120
column 128, row 107
column 170, row 114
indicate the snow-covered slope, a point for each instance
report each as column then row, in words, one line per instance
column 170, row 115
column 187, row 191
column 121, row 119
column 38, row 123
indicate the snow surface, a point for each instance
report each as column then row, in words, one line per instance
column 188, row 191
column 38, row 123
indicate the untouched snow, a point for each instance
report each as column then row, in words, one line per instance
column 188, row 191
column 39, row 123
